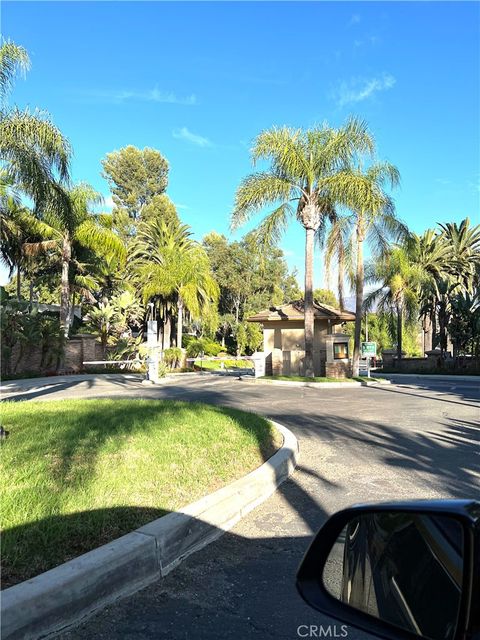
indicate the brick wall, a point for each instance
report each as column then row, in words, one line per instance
column 77, row 350
column 337, row 369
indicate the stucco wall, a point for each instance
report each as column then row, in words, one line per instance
column 289, row 335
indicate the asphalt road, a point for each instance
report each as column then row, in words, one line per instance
column 417, row 439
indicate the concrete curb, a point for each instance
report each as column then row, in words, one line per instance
column 316, row 385
column 66, row 594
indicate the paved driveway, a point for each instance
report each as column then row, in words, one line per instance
column 404, row 441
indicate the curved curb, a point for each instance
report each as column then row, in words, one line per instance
column 64, row 595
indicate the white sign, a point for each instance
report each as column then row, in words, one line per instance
column 259, row 362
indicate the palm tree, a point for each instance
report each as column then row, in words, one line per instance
column 13, row 60
column 399, row 282
column 430, row 253
column 102, row 319
column 173, row 270
column 69, row 230
column 304, row 166
column 372, row 219
column 338, row 247
column 35, row 153
column 463, row 243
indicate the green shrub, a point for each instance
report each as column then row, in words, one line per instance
column 172, row 357
column 203, row 345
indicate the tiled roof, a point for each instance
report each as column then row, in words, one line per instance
column 295, row 311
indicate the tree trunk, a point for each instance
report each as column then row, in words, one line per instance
column 167, row 330
column 180, row 322
column 341, row 277
column 427, row 334
column 309, row 310
column 30, row 294
column 65, row 286
column 19, row 284
column 433, row 318
column 399, row 330
column 358, row 304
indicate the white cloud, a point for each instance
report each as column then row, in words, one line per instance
column 186, row 134
column 152, row 95
column 182, row 207
column 354, row 19
column 360, row 89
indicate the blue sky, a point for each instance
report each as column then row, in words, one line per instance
column 199, row 80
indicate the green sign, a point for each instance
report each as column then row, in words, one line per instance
column 369, row 349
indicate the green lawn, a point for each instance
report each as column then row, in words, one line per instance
column 79, row 473
column 214, row 365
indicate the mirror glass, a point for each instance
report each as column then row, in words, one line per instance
column 403, row 568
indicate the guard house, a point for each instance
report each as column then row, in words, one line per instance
column 284, row 340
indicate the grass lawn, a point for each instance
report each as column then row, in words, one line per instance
column 214, row 365
column 79, row 473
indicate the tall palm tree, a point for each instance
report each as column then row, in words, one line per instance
column 68, row 230
column 430, row 252
column 300, row 164
column 372, row 219
column 34, row 152
column 338, row 248
column 174, row 270
column 399, row 280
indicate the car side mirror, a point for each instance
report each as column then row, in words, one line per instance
column 401, row 570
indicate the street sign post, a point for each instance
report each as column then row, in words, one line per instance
column 369, row 350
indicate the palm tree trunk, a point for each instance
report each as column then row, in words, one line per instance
column 180, row 322
column 427, row 334
column 65, row 286
column 358, row 304
column 309, row 310
column 341, row 277
column 167, row 330
column 399, row 330
column 30, row 293
column 19, row 284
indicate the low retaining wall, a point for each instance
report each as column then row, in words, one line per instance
column 78, row 349
column 433, row 365
column 62, row 596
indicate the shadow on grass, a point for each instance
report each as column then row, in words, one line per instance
column 77, row 446
column 72, row 448
column 25, row 555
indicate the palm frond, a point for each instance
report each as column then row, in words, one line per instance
column 258, row 190
column 13, row 59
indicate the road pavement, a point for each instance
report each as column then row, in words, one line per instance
column 414, row 439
